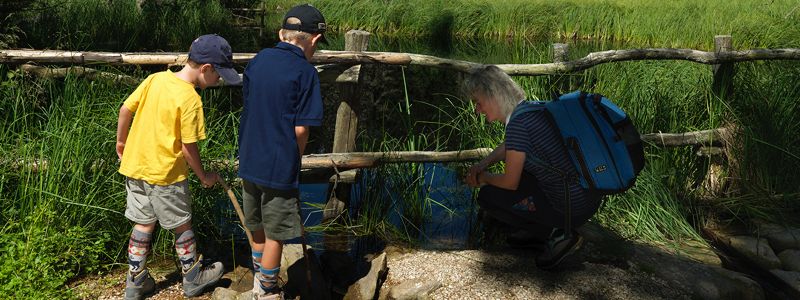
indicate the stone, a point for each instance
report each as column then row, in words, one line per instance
column 241, row 279
column 791, row 278
column 790, row 259
column 756, row 250
column 222, row 293
column 780, row 237
column 291, row 254
column 413, row 290
column 704, row 281
column 786, row 239
column 366, row 287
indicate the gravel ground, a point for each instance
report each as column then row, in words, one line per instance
column 480, row 274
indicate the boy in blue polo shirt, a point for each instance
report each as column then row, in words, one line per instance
column 281, row 100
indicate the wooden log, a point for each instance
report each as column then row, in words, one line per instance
column 344, row 138
column 354, row 160
column 79, row 71
column 703, row 138
column 347, row 114
column 392, row 58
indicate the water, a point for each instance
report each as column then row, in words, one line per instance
column 448, row 202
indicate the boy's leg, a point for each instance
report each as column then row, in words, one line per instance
column 139, row 247
column 273, row 216
column 173, row 206
column 196, row 276
column 139, row 209
column 185, row 246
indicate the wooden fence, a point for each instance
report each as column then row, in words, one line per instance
column 344, row 67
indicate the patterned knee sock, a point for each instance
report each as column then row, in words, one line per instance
column 138, row 248
column 185, row 247
column 257, row 261
column 268, row 278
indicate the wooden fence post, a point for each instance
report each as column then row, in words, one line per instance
column 560, row 83
column 716, row 182
column 722, row 85
column 344, row 138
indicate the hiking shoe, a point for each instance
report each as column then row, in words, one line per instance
column 139, row 286
column 198, row 277
column 557, row 249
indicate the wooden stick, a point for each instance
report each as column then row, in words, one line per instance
column 237, row 208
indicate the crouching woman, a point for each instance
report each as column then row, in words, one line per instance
column 538, row 193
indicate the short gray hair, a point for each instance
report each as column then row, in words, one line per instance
column 294, row 35
column 491, row 81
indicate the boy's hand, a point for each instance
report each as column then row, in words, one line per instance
column 209, row 180
column 120, row 149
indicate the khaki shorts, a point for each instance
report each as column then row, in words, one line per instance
column 274, row 211
column 170, row 205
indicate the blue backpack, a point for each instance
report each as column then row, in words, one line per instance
column 602, row 142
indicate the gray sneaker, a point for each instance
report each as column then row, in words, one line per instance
column 199, row 277
column 139, row 286
column 557, row 249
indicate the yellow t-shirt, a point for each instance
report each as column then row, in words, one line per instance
column 167, row 113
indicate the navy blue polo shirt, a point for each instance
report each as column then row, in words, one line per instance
column 281, row 91
column 533, row 133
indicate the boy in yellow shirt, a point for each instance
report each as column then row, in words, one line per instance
column 155, row 152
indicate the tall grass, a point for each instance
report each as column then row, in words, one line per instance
column 647, row 23
column 122, row 26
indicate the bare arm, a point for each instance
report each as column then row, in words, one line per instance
column 509, row 179
column 123, row 127
column 302, row 133
column 498, row 154
column 192, row 155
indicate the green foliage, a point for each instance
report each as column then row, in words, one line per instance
column 36, row 262
column 648, row 23
column 122, row 26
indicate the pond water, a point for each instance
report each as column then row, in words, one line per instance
column 450, row 220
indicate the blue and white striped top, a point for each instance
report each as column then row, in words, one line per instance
column 533, row 133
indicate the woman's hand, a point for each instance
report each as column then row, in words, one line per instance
column 471, row 178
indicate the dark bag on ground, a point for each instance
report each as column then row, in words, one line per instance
column 602, row 142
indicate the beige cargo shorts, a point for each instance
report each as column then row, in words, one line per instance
column 170, row 205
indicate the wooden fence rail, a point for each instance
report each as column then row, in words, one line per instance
column 394, row 58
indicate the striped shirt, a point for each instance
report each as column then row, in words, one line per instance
column 533, row 134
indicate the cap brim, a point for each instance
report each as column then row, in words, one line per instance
column 230, row 76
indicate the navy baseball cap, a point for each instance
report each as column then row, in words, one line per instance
column 311, row 20
column 215, row 50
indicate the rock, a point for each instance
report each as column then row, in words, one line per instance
column 241, row 279
column 366, row 287
column 790, row 259
column 787, row 239
column 291, row 254
column 780, row 237
column 245, row 296
column 791, row 278
column 222, row 293
column 756, row 250
column 704, row 281
column 413, row 290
